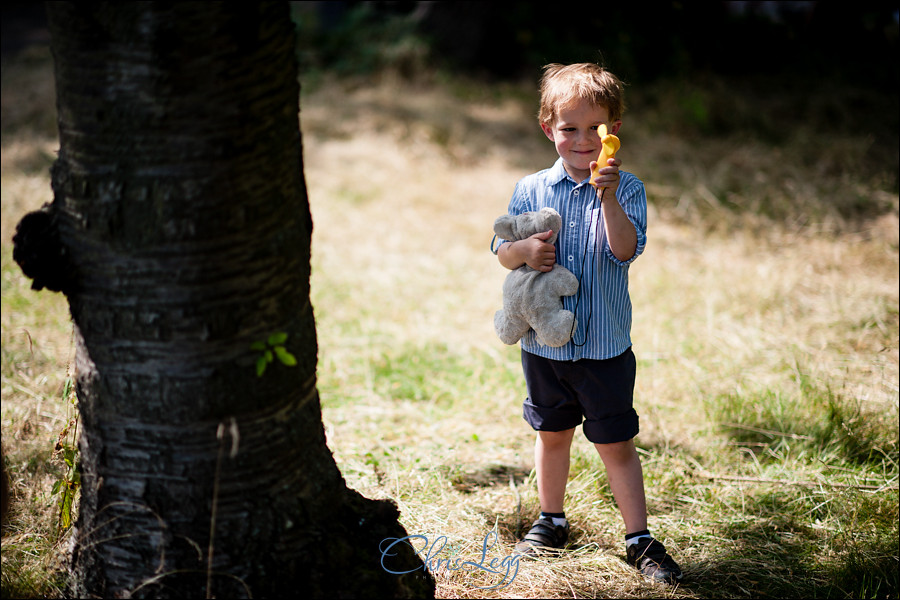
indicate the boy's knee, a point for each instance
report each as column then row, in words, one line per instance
column 552, row 440
column 617, row 451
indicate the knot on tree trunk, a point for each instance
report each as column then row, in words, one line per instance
column 39, row 253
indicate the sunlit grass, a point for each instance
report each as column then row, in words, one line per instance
column 767, row 385
column 767, row 354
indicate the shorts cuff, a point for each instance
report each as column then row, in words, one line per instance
column 549, row 419
column 620, row 428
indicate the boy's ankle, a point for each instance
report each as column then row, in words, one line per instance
column 635, row 537
column 559, row 519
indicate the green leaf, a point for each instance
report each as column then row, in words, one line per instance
column 284, row 356
column 269, row 356
column 258, row 346
column 55, row 489
column 261, row 363
column 277, row 339
column 66, row 508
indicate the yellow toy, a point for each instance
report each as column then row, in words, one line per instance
column 611, row 145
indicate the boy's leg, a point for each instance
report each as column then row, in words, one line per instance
column 626, row 480
column 551, row 462
column 553, row 411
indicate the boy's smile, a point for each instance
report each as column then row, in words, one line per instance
column 575, row 135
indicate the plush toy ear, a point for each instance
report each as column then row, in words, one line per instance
column 505, row 227
column 550, row 219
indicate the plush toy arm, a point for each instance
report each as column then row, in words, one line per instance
column 564, row 281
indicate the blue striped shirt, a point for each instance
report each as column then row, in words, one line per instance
column 603, row 311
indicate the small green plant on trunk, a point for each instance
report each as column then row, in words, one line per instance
column 270, row 349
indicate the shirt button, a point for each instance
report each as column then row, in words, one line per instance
column 572, row 224
column 576, row 192
column 571, row 258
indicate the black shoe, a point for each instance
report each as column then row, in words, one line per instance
column 544, row 535
column 650, row 558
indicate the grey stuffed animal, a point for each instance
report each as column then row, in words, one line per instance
column 532, row 299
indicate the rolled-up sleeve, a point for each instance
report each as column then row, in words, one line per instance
column 633, row 198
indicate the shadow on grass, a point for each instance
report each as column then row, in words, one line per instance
column 470, row 480
column 770, row 556
column 770, row 551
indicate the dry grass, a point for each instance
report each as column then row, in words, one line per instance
column 751, row 344
column 405, row 291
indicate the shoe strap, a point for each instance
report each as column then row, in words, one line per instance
column 543, row 532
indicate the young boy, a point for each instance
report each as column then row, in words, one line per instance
column 590, row 379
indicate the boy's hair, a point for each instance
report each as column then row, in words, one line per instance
column 564, row 84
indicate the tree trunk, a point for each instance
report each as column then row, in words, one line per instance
column 180, row 233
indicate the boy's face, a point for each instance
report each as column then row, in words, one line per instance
column 575, row 135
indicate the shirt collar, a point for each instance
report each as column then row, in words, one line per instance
column 558, row 173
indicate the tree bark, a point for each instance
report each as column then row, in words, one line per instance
column 180, row 233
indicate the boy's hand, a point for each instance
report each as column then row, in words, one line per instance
column 606, row 177
column 538, row 254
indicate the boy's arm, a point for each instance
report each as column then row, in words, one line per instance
column 533, row 251
column 621, row 234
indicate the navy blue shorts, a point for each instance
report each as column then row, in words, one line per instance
column 600, row 392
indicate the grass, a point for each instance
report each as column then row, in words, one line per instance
column 765, row 326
